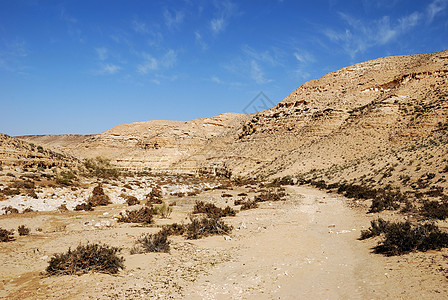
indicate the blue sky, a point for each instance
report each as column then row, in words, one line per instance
column 79, row 66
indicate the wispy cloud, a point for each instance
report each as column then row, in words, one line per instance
column 72, row 26
column 12, row 54
column 257, row 73
column 109, row 69
column 102, row 53
column 225, row 11
column 360, row 35
column 304, row 59
column 272, row 57
column 200, row 41
column 173, row 19
column 435, row 8
column 151, row 63
column 139, row 26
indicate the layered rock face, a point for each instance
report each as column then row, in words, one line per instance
column 18, row 154
column 346, row 115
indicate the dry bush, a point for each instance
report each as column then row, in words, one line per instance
column 174, row 229
column 99, row 198
column 65, row 178
column 249, row 205
column 386, row 200
column 226, row 195
column 31, row 193
column 85, row 259
column 242, row 194
column 23, row 230
column 163, row 210
column 435, row 210
column 130, row 200
column 27, row 210
column 199, row 228
column 193, row 193
column 6, row 235
column 270, row 196
column 83, row 206
column 376, row 228
column 63, row 207
column 155, row 196
column 143, row 215
column 10, row 210
column 403, row 237
column 212, row 210
column 157, row 242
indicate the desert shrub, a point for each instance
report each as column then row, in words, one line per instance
column 101, row 167
column 22, row 184
column 287, row 180
column 174, row 229
column 249, row 205
column 178, row 194
column 356, row 191
column 32, row 193
column 435, row 210
column 269, row 196
column 320, row 184
column 27, row 210
column 65, row 178
column 23, row 230
column 193, row 193
column 157, row 242
column 7, row 191
column 226, row 195
column 206, row 226
column 242, row 195
column 239, row 201
column 10, row 210
column 143, row 215
column 386, row 200
column 155, row 196
column 6, row 235
column 402, row 237
column 212, row 210
column 83, row 206
column 86, row 258
column 132, row 200
column 99, row 198
column 63, row 207
column 376, row 228
column 163, row 210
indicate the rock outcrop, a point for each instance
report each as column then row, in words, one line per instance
column 355, row 112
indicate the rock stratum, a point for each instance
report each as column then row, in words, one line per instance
column 359, row 112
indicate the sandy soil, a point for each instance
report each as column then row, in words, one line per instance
column 303, row 248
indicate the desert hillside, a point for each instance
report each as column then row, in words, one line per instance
column 359, row 111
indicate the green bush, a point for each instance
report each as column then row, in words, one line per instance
column 86, row 258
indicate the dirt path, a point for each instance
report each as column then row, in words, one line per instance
column 307, row 250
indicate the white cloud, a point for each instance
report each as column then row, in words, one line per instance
column 109, row 69
column 271, row 57
column 175, row 19
column 361, row 35
column 225, row 11
column 434, row 8
column 200, row 40
column 151, row 63
column 257, row 73
column 102, row 53
column 216, row 80
column 217, row 25
column 139, row 26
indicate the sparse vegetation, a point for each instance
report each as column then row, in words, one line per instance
column 270, row 196
column 212, row 210
column 403, row 237
column 65, row 178
column 155, row 196
column 143, row 215
column 101, row 167
column 86, row 258
column 201, row 227
column 23, row 230
column 6, row 235
column 83, row 206
column 435, row 209
column 99, row 198
column 249, row 205
column 157, row 242
column 163, row 210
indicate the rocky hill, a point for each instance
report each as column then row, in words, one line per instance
column 359, row 112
